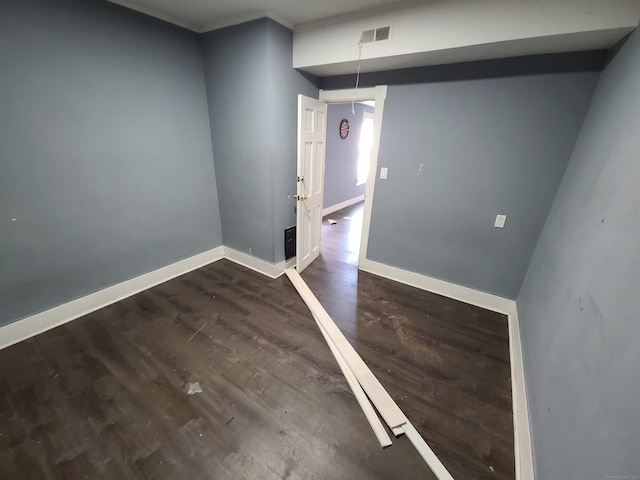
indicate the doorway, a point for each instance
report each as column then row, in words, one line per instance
column 312, row 134
column 347, row 163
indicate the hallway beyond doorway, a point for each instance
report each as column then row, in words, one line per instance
column 340, row 242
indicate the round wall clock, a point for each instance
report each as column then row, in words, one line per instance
column 344, row 128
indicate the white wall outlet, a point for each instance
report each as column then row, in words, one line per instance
column 383, row 173
column 500, row 219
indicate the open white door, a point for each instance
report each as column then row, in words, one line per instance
column 312, row 121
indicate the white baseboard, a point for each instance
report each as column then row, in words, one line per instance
column 522, row 431
column 273, row 270
column 521, row 427
column 441, row 287
column 341, row 205
column 43, row 321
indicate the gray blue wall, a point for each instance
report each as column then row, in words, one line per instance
column 252, row 94
column 284, row 85
column 105, row 151
column 341, row 157
column 235, row 60
column 460, row 152
column 579, row 305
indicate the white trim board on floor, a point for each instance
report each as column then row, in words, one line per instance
column 41, row 322
column 341, row 205
column 521, row 427
column 352, row 365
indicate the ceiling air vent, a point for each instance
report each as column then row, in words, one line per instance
column 376, row 35
column 368, row 36
column 382, row 33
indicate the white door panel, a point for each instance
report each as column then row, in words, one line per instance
column 312, row 119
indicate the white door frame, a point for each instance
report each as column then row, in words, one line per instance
column 377, row 94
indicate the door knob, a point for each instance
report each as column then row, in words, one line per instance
column 301, row 197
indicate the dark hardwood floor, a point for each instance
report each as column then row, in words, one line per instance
column 446, row 363
column 105, row 396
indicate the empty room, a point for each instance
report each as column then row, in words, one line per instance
column 263, row 239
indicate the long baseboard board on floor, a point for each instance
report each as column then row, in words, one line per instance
column 56, row 316
column 341, row 205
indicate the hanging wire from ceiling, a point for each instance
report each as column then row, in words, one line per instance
column 355, row 92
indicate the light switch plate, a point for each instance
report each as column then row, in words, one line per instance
column 500, row 219
column 383, row 173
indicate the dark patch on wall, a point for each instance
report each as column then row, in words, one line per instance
column 311, row 78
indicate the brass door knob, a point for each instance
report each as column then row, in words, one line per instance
column 301, row 197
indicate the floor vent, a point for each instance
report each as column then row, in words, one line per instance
column 289, row 243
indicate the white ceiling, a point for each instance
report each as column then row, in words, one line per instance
column 205, row 15
column 425, row 32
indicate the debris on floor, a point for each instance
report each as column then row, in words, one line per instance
column 194, row 388
column 331, row 222
column 199, row 330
